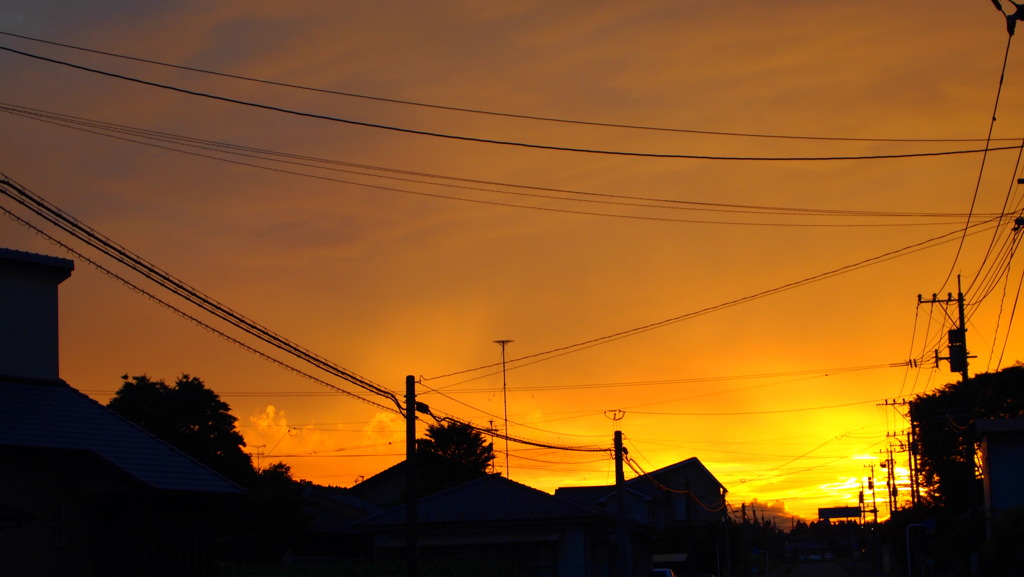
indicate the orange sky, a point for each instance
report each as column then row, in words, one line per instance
column 390, row 270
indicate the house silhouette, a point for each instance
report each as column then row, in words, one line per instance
column 84, row 491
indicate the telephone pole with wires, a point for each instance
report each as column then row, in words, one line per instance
column 957, row 344
column 910, row 445
column 624, row 559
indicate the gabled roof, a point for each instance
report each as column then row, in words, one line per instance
column 341, row 496
column 52, row 415
column 491, row 498
column 641, row 485
column 434, row 473
column 692, row 462
column 595, row 493
column 586, row 494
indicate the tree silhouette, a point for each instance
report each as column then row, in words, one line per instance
column 459, row 442
column 190, row 417
column 945, row 440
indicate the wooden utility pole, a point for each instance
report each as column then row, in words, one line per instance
column 957, row 336
column 874, row 496
column 624, row 558
column 911, row 449
column 411, row 553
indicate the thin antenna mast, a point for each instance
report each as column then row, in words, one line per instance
column 504, row 394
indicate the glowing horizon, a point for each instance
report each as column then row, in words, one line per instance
column 760, row 315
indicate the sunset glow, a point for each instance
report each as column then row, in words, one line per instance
column 629, row 192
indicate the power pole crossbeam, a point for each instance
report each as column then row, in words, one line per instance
column 957, row 336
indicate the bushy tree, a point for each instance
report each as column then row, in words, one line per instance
column 190, row 417
column 459, row 442
column 944, row 435
column 193, row 418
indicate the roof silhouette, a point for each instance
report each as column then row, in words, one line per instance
column 53, row 415
column 491, row 498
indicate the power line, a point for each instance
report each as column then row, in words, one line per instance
column 981, row 169
column 68, row 224
column 692, row 380
column 202, row 324
column 771, row 412
column 122, row 255
column 569, row 349
column 640, row 472
column 522, row 440
column 798, row 457
column 477, row 110
column 493, row 141
column 171, row 141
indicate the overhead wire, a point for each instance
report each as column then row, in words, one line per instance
column 129, row 134
column 794, row 459
column 573, row 348
column 1001, row 267
column 1013, row 313
column 57, row 217
column 641, row 473
column 968, row 225
column 522, row 440
column 191, row 318
column 111, row 130
column 170, row 141
column 745, row 413
column 492, row 141
column 1007, row 208
column 912, row 362
column 690, row 380
column 81, row 232
column 472, row 110
column 981, row 169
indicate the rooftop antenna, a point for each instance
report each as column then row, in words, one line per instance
column 504, row 394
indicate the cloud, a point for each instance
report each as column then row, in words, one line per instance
column 384, row 428
column 270, row 417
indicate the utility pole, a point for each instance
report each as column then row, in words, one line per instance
column 874, row 496
column 491, row 430
column 915, row 494
column 890, row 478
column 259, row 456
column 624, row 558
column 891, row 485
column 911, row 449
column 411, row 553
column 957, row 336
column 504, row 395
column 958, row 364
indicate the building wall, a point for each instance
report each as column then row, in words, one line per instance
column 28, row 314
column 1003, row 457
column 51, row 486
column 88, row 519
column 706, row 496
